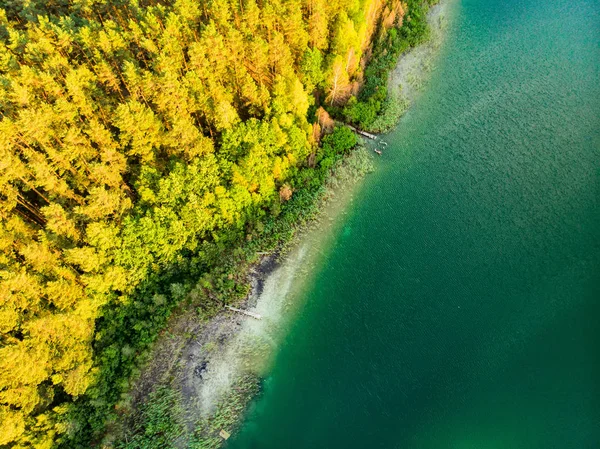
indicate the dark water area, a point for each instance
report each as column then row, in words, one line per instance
column 459, row 306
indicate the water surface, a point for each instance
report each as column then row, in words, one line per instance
column 459, row 307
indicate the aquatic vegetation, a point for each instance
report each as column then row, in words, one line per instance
column 394, row 107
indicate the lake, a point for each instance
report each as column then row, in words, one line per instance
column 459, row 305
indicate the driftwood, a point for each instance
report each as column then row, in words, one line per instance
column 245, row 312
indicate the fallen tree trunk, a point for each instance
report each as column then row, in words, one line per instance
column 245, row 312
column 362, row 133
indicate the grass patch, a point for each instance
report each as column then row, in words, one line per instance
column 158, row 425
column 228, row 414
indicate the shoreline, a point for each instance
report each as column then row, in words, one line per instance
column 412, row 71
column 214, row 365
column 205, row 360
column 414, row 66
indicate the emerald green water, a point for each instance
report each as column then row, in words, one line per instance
column 459, row 306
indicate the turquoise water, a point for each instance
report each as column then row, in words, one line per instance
column 460, row 304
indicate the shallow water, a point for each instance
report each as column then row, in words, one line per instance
column 459, row 305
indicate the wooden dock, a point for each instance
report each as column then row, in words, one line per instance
column 245, row 312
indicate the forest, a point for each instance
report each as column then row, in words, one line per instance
column 140, row 140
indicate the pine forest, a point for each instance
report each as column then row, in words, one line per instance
column 140, row 142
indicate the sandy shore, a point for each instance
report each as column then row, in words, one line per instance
column 242, row 345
